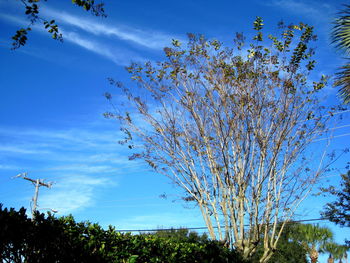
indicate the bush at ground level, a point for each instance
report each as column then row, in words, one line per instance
column 50, row 239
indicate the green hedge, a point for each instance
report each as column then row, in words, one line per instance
column 50, row 239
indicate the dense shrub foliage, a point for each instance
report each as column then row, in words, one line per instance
column 50, row 239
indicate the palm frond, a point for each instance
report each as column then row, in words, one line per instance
column 341, row 39
column 343, row 82
column 341, row 30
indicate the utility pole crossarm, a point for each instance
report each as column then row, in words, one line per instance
column 37, row 183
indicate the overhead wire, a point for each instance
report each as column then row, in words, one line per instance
column 331, row 114
column 332, row 137
column 215, row 227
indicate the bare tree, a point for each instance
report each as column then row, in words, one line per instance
column 230, row 126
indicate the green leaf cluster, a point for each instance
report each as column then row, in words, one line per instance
column 338, row 211
column 50, row 239
column 32, row 12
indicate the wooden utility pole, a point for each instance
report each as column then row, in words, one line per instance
column 37, row 183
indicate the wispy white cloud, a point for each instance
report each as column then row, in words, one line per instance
column 81, row 162
column 8, row 167
column 320, row 12
column 87, row 145
column 79, row 172
column 146, row 38
column 118, row 55
column 75, row 192
column 83, row 168
column 64, row 136
column 13, row 19
column 17, row 149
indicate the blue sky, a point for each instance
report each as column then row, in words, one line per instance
column 51, row 122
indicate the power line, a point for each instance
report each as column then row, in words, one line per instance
column 131, row 206
column 339, row 127
column 331, row 114
column 204, row 227
column 332, row 137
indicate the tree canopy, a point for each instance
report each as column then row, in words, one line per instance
column 313, row 238
column 339, row 210
column 230, row 126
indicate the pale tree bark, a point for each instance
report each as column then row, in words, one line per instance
column 230, row 130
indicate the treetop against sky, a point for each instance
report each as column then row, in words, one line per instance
column 51, row 122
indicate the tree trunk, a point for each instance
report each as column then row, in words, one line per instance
column 313, row 255
column 266, row 257
column 330, row 259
